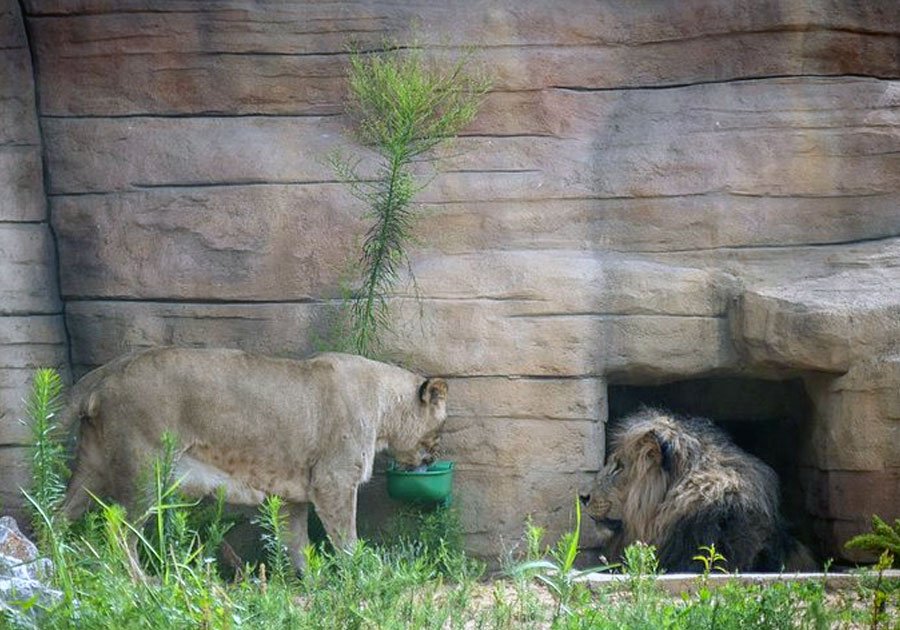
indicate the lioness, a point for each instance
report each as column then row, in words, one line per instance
column 306, row 430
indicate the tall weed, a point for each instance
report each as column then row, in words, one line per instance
column 402, row 107
column 49, row 472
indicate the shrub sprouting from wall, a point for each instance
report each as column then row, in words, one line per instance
column 402, row 106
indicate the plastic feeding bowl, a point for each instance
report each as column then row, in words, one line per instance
column 423, row 487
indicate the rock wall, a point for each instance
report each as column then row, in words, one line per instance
column 31, row 325
column 653, row 192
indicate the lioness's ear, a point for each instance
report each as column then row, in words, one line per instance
column 433, row 390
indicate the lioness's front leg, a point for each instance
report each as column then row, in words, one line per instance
column 335, row 502
column 298, row 534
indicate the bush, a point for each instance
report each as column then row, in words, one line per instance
column 403, row 107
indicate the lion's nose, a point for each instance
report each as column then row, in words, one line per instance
column 428, row 459
column 584, row 498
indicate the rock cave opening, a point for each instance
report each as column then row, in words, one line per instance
column 771, row 419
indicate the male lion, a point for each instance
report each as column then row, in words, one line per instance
column 306, row 430
column 679, row 484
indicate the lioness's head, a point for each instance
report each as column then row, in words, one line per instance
column 417, row 442
column 604, row 503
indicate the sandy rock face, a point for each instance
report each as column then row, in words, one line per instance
column 32, row 331
column 651, row 194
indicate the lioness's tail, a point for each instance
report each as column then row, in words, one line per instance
column 82, row 414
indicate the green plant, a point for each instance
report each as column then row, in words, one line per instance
column 534, row 539
column 436, row 534
column 884, row 539
column 403, row 108
column 556, row 569
column 49, row 475
column 211, row 523
column 274, row 523
column 48, row 453
column 169, row 536
column 640, row 560
column 53, row 539
column 642, row 566
column 160, row 535
column 711, row 559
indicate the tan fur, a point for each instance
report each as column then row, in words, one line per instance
column 666, row 474
column 604, row 506
column 306, row 430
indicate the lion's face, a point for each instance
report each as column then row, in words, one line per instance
column 604, row 503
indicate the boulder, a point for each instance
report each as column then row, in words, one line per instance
column 23, row 574
column 823, row 324
column 18, row 555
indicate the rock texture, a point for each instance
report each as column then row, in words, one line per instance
column 18, row 555
column 653, row 192
column 32, row 332
column 22, row 574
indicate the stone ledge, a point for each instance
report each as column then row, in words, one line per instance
column 453, row 338
column 823, row 324
column 676, row 583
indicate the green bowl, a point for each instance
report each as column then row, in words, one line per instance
column 428, row 486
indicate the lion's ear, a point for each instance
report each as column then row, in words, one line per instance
column 659, row 450
column 667, row 458
column 433, row 391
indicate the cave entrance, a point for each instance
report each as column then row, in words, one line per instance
column 769, row 419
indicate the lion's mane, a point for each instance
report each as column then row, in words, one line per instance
column 680, row 483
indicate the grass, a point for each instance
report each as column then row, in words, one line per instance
column 387, row 587
column 403, row 584
column 114, row 574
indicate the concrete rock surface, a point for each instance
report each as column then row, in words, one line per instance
column 653, row 193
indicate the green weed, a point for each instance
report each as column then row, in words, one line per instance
column 48, row 453
column 556, row 569
column 402, row 107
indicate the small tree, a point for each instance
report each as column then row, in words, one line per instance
column 48, row 453
column 884, row 539
column 403, row 107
